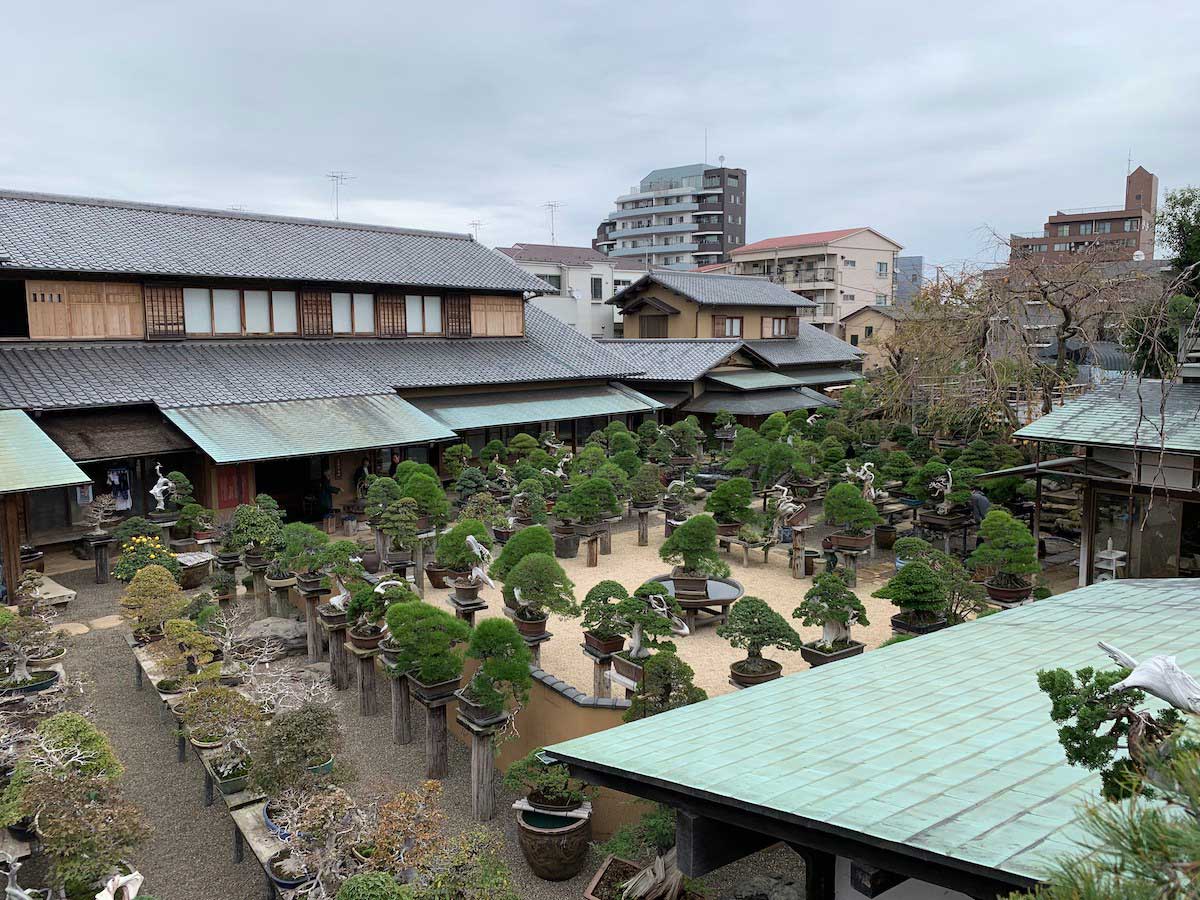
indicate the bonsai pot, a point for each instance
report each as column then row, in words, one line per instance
column 503, row 534
column 282, row 880
column 39, row 680
column 556, row 847
column 323, row 768
column 423, row 524
column 331, row 614
column 606, row 646
column 816, row 657
column 205, row 745
column 589, row 530
column 431, row 693
column 388, row 651
column 366, row 640
column 844, row 541
column 725, row 434
column 543, row 805
column 477, row 713
column 564, row 529
column 1007, row 594
column 644, row 504
column 566, row 545
column 370, row 561
column 627, row 668
column 255, row 558
column 437, row 574
column 398, row 557
column 612, row 874
column 23, row 830
column 233, row 785
column 309, row 582
column 689, row 584
column 728, row 529
column 531, row 627
column 278, row 583
column 747, row 679
column 885, row 536
column 901, row 625
column 46, row 662
column 682, row 461
column 204, row 534
column 169, row 686
column 810, row 561
column 465, row 590
column 161, row 515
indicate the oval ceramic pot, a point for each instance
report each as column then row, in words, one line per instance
column 816, row 657
column 431, row 693
column 844, row 541
column 282, row 880
column 279, row 583
column 437, row 574
column 272, row 826
column 204, row 534
column 532, row 629
column 556, row 847
column 255, row 558
column 1007, row 595
column 603, row 645
column 47, row 661
column 746, row 679
column 205, row 745
column 43, row 680
column 169, row 686
column 901, row 625
column 502, row 535
column 324, row 768
column 364, row 642
column 644, row 504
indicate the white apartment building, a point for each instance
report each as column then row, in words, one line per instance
column 582, row 280
column 841, row 271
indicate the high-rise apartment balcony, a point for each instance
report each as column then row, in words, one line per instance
column 653, row 210
column 653, row 249
column 677, row 228
column 710, row 206
column 821, row 276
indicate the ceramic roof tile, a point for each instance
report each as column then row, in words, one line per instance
column 672, row 359
column 709, row 289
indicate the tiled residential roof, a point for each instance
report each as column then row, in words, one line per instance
column 519, row 407
column 890, row 311
column 753, row 379
column 719, row 290
column 791, row 241
column 554, row 253
column 811, row 346
column 940, row 748
column 82, row 234
column 65, row 375
column 1152, row 415
column 672, row 359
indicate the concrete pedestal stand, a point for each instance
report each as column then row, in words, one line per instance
column 311, row 600
column 601, row 666
column 100, row 550
column 367, row 702
column 483, row 767
column 401, row 710
column 335, row 628
column 262, row 598
column 643, row 527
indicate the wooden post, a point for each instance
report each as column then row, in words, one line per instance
column 600, row 670
column 593, row 551
column 262, row 598
column 280, row 607
column 483, row 773
column 367, row 702
column 314, row 630
column 401, row 711
column 643, row 527
column 606, row 541
column 419, row 567
column 100, row 550
column 437, row 764
column 10, row 541
column 339, row 661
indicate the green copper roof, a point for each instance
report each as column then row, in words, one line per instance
column 758, row 403
column 29, row 460
column 1151, row 414
column 521, row 407
column 753, row 379
column 941, row 745
column 821, row 377
column 251, row 431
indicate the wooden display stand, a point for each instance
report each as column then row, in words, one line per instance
column 368, row 704
column 601, row 667
column 848, row 559
column 643, row 527
column 262, row 597
column 437, row 757
column 593, row 550
column 100, row 550
column 467, row 611
column 311, row 600
column 483, row 768
column 339, row 662
column 401, row 711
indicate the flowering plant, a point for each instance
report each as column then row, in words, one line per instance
column 142, row 551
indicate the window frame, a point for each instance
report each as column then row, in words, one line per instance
column 408, row 329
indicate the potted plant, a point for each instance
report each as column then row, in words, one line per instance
column 692, row 549
column 382, row 492
column 394, row 595
column 921, row 596
column 187, row 649
column 729, row 504
column 492, row 451
column 725, row 424
column 752, row 626
column 213, row 712
column 21, row 638
column 455, row 459
column 535, row 539
column 427, row 641
column 365, row 609
column 140, row 551
column 230, row 767
column 197, row 521
column 455, row 555
column 398, row 524
column 470, row 481
column 645, row 488
column 909, row 548
column 153, row 597
column 666, row 684
column 589, row 503
column 529, row 502
column 502, row 679
column 432, row 506
column 278, row 577
column 254, row 530
column 602, row 622
column 554, row 845
column 1010, row 552
column 830, row 604
column 294, row 750
column 644, row 619
column 301, row 553
column 685, row 436
column 845, row 506
column 539, row 586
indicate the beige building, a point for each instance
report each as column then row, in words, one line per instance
column 866, row 329
column 840, row 271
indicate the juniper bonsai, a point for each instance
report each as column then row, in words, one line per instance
column 693, row 547
column 381, row 493
column 539, row 586
column 470, row 481
column 546, row 783
column 503, row 675
column 456, row 459
column 602, row 607
column 830, row 604
column 845, row 506
column 752, row 626
column 590, row 502
column 1008, row 549
column 666, row 684
column 918, row 591
column 535, row 539
column 646, row 485
column 729, row 503
column 431, row 499
column 453, row 551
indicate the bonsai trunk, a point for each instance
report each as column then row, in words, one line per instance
column 636, row 650
column 20, row 672
column 833, row 633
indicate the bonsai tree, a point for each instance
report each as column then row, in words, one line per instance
column 590, row 502
column 153, row 597
column 194, row 517
column 832, row 450
column 686, row 436
column 535, row 539
column 301, row 545
column 409, row 468
column 752, row 626
column 470, row 481
column 645, row 487
column 602, row 610
column 724, row 420
column 398, row 522
column 693, row 548
column 254, row 527
column 381, row 493
column 546, row 784
column 666, row 684
column 140, row 552
column 491, row 451
column 830, row 604
column 453, row 551
column 647, row 433
column 487, row 509
column 730, row 502
column 845, row 506
column 372, row 886
column 366, row 606
column 661, row 450
column 622, row 442
column 215, row 712
column 22, row 637
column 539, row 586
column 774, row 426
column 628, row 462
column 456, row 459
column 181, row 489
column 189, row 649
column 1008, row 549
column 529, row 501
column 431, row 499
column 293, row 742
column 426, row 640
column 918, row 591
column 590, row 458
column 898, row 466
column 503, row 675
column 521, row 445
column 617, row 477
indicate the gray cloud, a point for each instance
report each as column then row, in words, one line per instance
column 930, row 122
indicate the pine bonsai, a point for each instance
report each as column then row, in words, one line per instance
column 408, row 468
column 182, row 490
column 590, row 502
column 134, row 526
column 521, row 446
column 666, row 684
column 628, row 461
column 399, row 523
column 535, row 539
column 918, row 591
column 637, row 619
column 729, row 503
column 529, row 501
column 845, row 506
column 539, row 586
column 774, row 426
column 427, row 641
column 381, row 493
column 693, row 547
column 585, row 464
column 898, row 466
column 830, row 604
column 646, row 485
column 301, row 546
column 492, row 451
column 470, row 481
column 687, row 435
column 602, row 609
column 647, row 434
column 1008, row 549
column 752, row 626
column 616, row 476
column 724, row 420
column 456, row 458
column 431, row 499
column 453, row 551
column 503, row 675
column 622, row 442
column 549, row 784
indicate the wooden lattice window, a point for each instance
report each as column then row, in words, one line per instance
column 316, row 313
column 457, row 312
column 389, row 311
column 164, row 311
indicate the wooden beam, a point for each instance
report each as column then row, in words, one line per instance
column 820, row 873
column 10, row 542
column 703, row 845
column 871, row 881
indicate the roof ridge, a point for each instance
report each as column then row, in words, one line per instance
column 208, row 212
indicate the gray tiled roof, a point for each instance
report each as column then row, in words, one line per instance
column 1151, row 414
column 554, row 253
column 719, row 290
column 758, row 403
column 66, row 375
column 811, row 345
column 80, row 234
column 672, row 359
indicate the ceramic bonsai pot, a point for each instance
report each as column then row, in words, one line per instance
column 204, row 534
column 388, row 651
column 431, row 693
column 280, row 583
column 1006, row 594
column 606, row 883
column 365, row 641
column 503, row 534
column 696, row 585
column 331, row 614
column 40, row 680
column 728, row 529
column 228, row 560
column 844, row 541
column 556, row 847
column 233, row 785
column 607, row 646
column 478, row 715
column 627, row 668
column 725, row 434
column 566, row 545
column 205, row 745
column 745, row 679
column 586, row 531
column 370, row 561
column 323, row 768
column 437, row 574
column 46, row 662
column 885, row 536
column 255, row 557
column 901, row 625
column 465, row 590
column 644, row 504
column 531, row 628
column 815, row 657
column 398, row 557
column 279, row 876
column 308, row 582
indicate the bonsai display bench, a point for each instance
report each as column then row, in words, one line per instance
column 339, row 662
column 701, row 610
column 249, row 827
column 535, row 646
column 942, row 527
column 601, row 667
column 233, row 801
column 368, row 704
column 401, row 711
column 483, row 767
column 728, row 543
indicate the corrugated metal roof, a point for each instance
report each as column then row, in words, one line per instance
column 753, row 379
column 252, row 431
column 521, row 407
column 85, row 234
column 1149, row 414
column 29, row 460
column 759, row 403
column 718, row 290
column 820, row 377
column 942, row 745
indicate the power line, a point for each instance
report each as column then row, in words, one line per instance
column 337, row 178
column 552, row 206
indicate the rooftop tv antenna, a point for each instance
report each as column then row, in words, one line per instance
column 475, row 223
column 552, row 206
column 338, row 177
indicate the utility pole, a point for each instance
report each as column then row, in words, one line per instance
column 552, row 206
column 338, row 177
column 475, row 223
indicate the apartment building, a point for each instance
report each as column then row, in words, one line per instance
column 1120, row 231
column 582, row 280
column 840, row 271
column 909, row 276
column 678, row 218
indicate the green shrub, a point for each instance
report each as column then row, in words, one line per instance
column 666, row 684
column 589, row 459
column 431, row 499
column 845, row 506
column 646, row 484
column 898, row 466
column 453, row 551
column 544, row 588
column 647, row 434
column 652, row 836
column 693, row 547
column 492, row 451
column 456, row 459
column 141, row 551
column 398, row 523
column 730, row 501
column 830, row 604
column 292, row 741
column 427, row 640
column 911, row 548
column 365, row 606
column 628, row 461
column 774, row 426
column 381, row 493
column 591, row 501
column 194, row 517
column 687, row 434
column 534, row 539
column 503, row 674
column 917, row 590
column 408, row 469
column 897, row 639
column 253, row 526
column 133, row 527
column 752, row 626
column 1008, row 548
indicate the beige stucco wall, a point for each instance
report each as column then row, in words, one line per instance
column 881, row 327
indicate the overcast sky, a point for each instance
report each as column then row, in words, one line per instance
column 933, row 122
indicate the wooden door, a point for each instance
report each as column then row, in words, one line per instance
column 124, row 311
column 49, row 312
